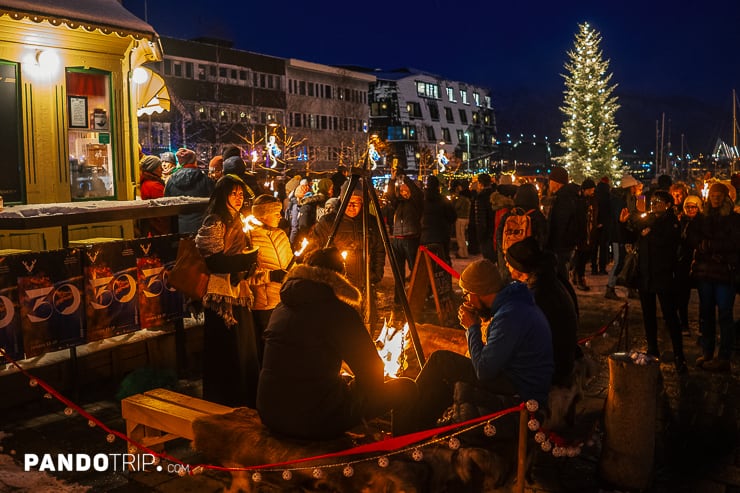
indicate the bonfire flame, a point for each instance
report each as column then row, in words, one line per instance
column 250, row 222
column 391, row 345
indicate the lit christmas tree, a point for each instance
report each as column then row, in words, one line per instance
column 590, row 134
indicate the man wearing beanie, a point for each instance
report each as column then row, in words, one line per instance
column 563, row 226
column 192, row 182
column 530, row 265
column 513, row 357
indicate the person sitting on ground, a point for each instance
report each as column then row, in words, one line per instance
column 302, row 393
column 513, row 357
column 538, row 269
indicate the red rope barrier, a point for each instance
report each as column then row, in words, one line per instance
column 605, row 326
column 441, row 262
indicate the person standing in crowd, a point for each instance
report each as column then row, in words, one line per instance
column 636, row 204
column 273, row 258
column 614, row 230
column 291, row 208
column 350, row 239
column 691, row 204
column 302, row 393
column 216, row 168
column 169, row 165
column 530, row 265
column 151, row 186
column 715, row 236
column 564, row 228
column 483, row 216
column 230, row 361
column 437, row 219
column 188, row 181
column 501, row 205
column 324, row 187
column 679, row 191
column 461, row 203
column 658, row 237
column 587, row 214
column 513, row 356
column 600, row 251
column 309, row 206
column 340, row 177
column 526, row 201
column 407, row 202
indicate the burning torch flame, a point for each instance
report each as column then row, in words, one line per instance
column 250, row 222
column 705, row 191
column 344, row 255
column 304, row 244
column 391, row 343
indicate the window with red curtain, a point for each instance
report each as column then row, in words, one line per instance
column 86, row 84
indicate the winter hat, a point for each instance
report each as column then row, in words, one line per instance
column 481, row 277
column 331, row 205
column 588, row 183
column 524, row 255
column 231, row 151
column 628, row 181
column 326, row 258
column 692, row 199
column 558, row 174
column 324, row 186
column 150, row 163
column 216, row 161
column 719, row 187
column 264, row 205
column 234, row 166
column 168, row 157
column 185, row 156
column 292, row 184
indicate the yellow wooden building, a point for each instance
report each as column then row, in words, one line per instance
column 71, row 86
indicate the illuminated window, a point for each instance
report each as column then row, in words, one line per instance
column 451, row 95
column 464, row 96
column 90, row 134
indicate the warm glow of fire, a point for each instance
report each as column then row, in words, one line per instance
column 304, row 244
column 250, row 222
column 344, row 254
column 391, row 345
column 705, row 191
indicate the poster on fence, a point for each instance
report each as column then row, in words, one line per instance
column 159, row 303
column 51, row 299
column 11, row 335
column 110, row 289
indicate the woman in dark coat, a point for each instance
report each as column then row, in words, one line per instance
column 312, row 331
column 659, row 237
column 437, row 219
column 230, row 362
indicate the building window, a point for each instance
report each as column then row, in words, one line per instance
column 463, row 117
column 310, row 88
column 90, row 147
column 433, row 110
column 446, row 134
column 242, row 75
column 327, row 91
column 212, row 70
column 233, row 73
column 302, row 88
column 451, row 95
column 270, row 81
column 460, row 136
column 427, row 90
column 449, row 115
column 430, row 134
column 488, row 101
column 464, row 96
column 414, row 109
column 189, row 70
column 476, row 99
column 177, row 69
column 222, row 72
column 201, row 72
column 167, row 67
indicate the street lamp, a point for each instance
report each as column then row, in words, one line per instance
column 467, row 140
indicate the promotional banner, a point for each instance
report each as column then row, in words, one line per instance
column 110, row 289
column 159, row 303
column 11, row 336
column 50, row 294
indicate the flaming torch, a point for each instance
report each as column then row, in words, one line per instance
column 298, row 253
column 391, row 345
column 250, row 222
column 705, row 191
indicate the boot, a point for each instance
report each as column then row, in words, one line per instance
column 611, row 294
column 581, row 284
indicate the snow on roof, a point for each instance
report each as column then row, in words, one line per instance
column 108, row 13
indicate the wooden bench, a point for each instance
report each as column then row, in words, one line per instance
column 160, row 415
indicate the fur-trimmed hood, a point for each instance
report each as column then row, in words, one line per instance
column 293, row 290
column 500, row 201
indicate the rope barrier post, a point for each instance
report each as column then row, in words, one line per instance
column 522, row 450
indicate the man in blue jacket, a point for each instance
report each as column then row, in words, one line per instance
column 510, row 354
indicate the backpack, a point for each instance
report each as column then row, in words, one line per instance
column 517, row 226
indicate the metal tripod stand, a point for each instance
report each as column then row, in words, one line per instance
column 361, row 174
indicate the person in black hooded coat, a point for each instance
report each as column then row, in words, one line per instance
column 301, row 393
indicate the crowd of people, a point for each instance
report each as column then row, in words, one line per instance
column 283, row 310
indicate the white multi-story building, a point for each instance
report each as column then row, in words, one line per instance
column 416, row 114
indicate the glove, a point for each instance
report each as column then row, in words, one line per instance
column 277, row 275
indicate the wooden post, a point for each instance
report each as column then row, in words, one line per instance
column 521, row 467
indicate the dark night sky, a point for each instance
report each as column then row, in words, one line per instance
column 666, row 57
